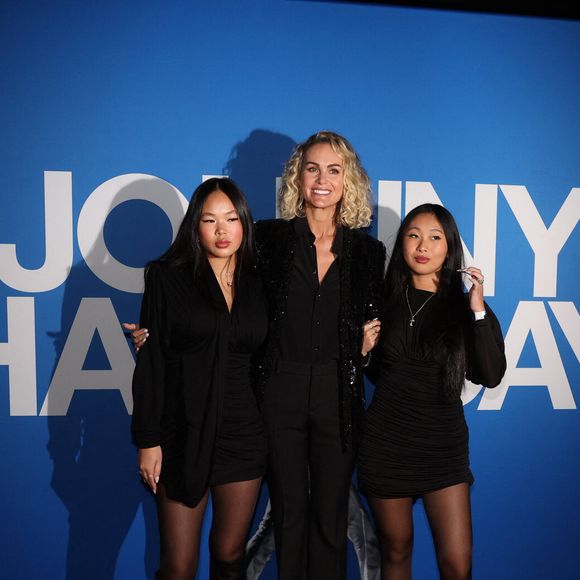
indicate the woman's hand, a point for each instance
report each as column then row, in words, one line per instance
column 138, row 335
column 149, row 461
column 371, row 331
column 476, row 291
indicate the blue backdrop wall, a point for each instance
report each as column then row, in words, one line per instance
column 111, row 114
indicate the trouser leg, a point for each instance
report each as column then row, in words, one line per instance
column 285, row 414
column 330, row 479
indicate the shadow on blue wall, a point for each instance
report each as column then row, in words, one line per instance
column 95, row 472
column 254, row 164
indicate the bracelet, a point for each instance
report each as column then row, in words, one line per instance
column 366, row 360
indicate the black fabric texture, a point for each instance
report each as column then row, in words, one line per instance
column 197, row 357
column 415, row 438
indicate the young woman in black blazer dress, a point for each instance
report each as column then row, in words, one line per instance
column 415, row 440
column 195, row 420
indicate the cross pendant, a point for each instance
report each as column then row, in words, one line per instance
column 412, row 321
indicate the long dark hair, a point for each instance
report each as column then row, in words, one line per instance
column 444, row 336
column 186, row 249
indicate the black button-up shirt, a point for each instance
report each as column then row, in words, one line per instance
column 310, row 328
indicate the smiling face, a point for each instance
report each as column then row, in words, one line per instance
column 220, row 229
column 322, row 177
column 425, row 250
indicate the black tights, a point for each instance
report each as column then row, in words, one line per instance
column 449, row 514
column 180, row 530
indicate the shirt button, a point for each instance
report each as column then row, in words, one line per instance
column 315, row 349
column 317, row 323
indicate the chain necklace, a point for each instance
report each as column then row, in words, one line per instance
column 228, row 274
column 412, row 321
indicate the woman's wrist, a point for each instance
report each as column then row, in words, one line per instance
column 479, row 314
column 366, row 359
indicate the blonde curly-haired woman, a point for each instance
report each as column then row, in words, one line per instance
column 323, row 276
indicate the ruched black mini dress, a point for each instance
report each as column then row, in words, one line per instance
column 192, row 386
column 415, row 438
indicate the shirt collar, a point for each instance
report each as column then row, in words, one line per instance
column 303, row 231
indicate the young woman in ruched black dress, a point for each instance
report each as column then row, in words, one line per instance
column 195, row 420
column 415, row 440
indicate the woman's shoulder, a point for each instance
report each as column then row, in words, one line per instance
column 161, row 272
column 155, row 270
column 272, row 228
column 363, row 241
column 362, row 236
column 160, row 268
column 273, row 239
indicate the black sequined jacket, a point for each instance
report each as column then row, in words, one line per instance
column 361, row 272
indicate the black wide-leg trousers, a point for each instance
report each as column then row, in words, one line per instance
column 309, row 473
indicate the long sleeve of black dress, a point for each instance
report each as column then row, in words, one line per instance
column 486, row 353
column 149, row 376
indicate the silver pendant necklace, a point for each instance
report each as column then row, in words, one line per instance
column 412, row 321
column 229, row 275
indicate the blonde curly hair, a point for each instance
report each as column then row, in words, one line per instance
column 354, row 209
